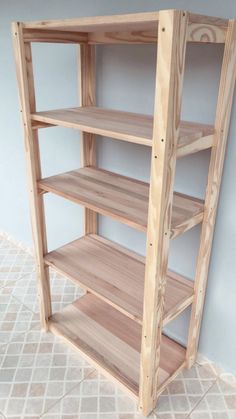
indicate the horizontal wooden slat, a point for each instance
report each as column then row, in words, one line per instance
column 111, row 341
column 122, row 198
column 135, row 21
column 126, row 126
column 116, row 275
column 55, row 36
column 123, row 37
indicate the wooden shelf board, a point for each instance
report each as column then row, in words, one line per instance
column 132, row 21
column 125, row 126
column 111, row 341
column 122, row 198
column 116, row 275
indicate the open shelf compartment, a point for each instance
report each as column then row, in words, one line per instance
column 111, row 341
column 116, row 275
column 125, row 126
column 121, row 198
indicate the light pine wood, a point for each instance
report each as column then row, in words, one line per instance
column 62, row 37
column 126, row 126
column 123, row 37
column 169, row 76
column 24, row 72
column 118, row 324
column 223, row 111
column 132, row 21
column 122, row 198
column 108, row 271
column 197, row 32
column 111, row 341
column 131, row 28
column 87, row 79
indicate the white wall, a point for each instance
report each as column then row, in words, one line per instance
column 125, row 81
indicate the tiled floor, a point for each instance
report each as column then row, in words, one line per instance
column 40, row 377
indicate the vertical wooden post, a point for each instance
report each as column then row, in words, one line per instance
column 169, row 77
column 88, row 98
column 24, row 70
column 223, row 111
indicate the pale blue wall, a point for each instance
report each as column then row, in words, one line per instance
column 125, row 81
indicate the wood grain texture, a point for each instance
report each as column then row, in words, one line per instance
column 55, row 36
column 120, row 197
column 116, row 276
column 200, row 32
column 24, row 70
column 223, row 112
column 111, row 341
column 123, row 37
column 132, row 21
column 126, row 126
column 169, row 77
column 87, row 78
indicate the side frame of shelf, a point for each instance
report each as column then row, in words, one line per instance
column 24, row 70
column 172, row 38
column 222, row 120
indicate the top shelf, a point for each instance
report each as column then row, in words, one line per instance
column 127, row 28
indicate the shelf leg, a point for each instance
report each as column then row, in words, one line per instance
column 172, row 32
column 223, row 111
column 24, row 68
column 87, row 77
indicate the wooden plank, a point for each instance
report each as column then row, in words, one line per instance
column 111, row 341
column 116, row 276
column 206, row 33
column 123, row 37
column 132, row 21
column 87, row 79
column 126, row 126
column 223, row 111
column 24, row 71
column 208, row 20
column 122, row 198
column 169, row 78
column 54, row 36
column 206, row 29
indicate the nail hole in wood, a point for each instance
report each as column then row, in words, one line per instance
column 155, row 157
column 150, row 244
column 184, row 14
column 163, row 29
column 162, row 140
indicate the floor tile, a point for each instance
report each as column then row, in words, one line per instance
column 63, row 291
column 185, row 392
column 36, row 369
column 219, row 402
column 15, row 318
column 14, row 262
column 95, row 397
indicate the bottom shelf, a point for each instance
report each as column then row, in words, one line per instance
column 111, row 341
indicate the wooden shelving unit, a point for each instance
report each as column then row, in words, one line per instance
column 118, row 323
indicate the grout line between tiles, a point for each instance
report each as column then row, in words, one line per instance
column 204, row 395
column 64, row 395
